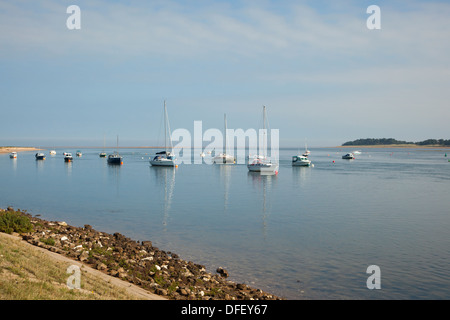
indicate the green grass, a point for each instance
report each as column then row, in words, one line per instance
column 14, row 221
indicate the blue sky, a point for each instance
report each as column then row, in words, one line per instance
column 323, row 75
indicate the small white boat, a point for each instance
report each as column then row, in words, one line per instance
column 301, row 161
column 307, row 152
column 13, row 155
column 348, row 156
column 262, row 166
column 78, row 153
column 165, row 158
column 52, row 152
column 260, row 162
column 224, row 158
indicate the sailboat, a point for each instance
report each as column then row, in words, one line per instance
column 224, row 158
column 103, row 153
column 165, row 158
column 260, row 163
column 115, row 158
column 307, row 152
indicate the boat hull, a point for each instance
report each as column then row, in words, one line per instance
column 301, row 164
column 116, row 160
column 224, row 159
column 263, row 168
column 40, row 156
column 162, row 163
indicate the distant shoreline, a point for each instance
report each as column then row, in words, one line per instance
column 412, row 146
column 17, row 149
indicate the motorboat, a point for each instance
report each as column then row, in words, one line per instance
column 301, row 161
column 13, row 155
column 102, row 155
column 68, row 157
column 52, row 152
column 348, row 156
column 40, row 156
column 78, row 153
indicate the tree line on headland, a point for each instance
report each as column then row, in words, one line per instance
column 388, row 141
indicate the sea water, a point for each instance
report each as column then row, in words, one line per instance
column 305, row 233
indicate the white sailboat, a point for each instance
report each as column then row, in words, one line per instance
column 307, row 152
column 165, row 158
column 260, row 163
column 224, row 158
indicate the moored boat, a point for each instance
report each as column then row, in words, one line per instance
column 224, row 158
column 115, row 158
column 260, row 162
column 40, row 156
column 301, row 161
column 348, row 156
column 68, row 157
column 13, row 155
column 165, row 158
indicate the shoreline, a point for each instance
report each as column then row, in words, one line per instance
column 17, row 149
column 158, row 272
column 412, row 146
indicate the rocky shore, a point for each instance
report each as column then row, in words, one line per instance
column 140, row 263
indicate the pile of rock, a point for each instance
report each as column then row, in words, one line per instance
column 160, row 272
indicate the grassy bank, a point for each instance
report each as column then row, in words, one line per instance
column 31, row 273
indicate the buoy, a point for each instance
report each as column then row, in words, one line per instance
column 333, row 161
column 176, row 166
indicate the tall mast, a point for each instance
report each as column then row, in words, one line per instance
column 225, row 123
column 264, row 131
column 165, row 128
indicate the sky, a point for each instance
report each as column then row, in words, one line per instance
column 324, row 76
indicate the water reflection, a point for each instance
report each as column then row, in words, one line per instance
column 14, row 164
column 263, row 183
column 225, row 177
column 301, row 176
column 40, row 165
column 68, row 166
column 165, row 180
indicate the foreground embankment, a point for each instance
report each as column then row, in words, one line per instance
column 140, row 263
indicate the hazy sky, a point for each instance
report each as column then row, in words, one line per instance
column 323, row 75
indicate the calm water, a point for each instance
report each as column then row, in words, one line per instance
column 306, row 233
